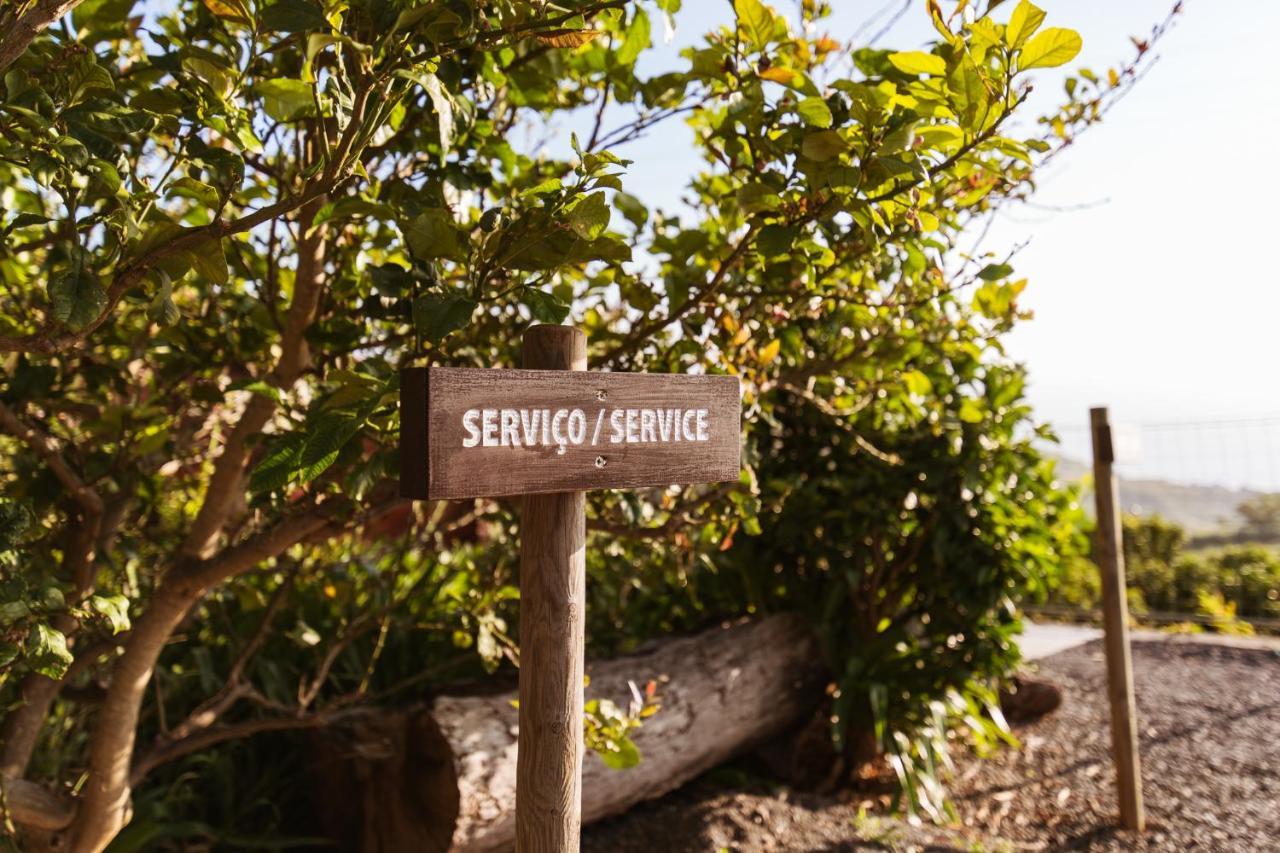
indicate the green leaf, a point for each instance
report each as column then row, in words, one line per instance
column 78, row 299
column 73, row 151
column 286, row 100
column 626, row 755
column 550, row 185
column 47, row 651
column 261, row 388
column 279, row 465
column 995, row 272
column 590, row 216
column 1025, row 20
column 1053, row 47
column 918, row 62
column 114, row 608
column 431, row 234
column 231, row 10
column 195, row 190
column 917, row 382
column 823, row 145
column 544, row 307
column 208, row 259
column 755, row 198
column 293, row 16
column 13, row 611
column 163, row 309
column 95, row 20
column 971, row 411
column 776, row 240
column 631, row 208
column 968, row 92
column 755, row 21
column 635, row 40
column 106, row 176
column 444, row 109
column 324, row 441
column 435, row 316
column 815, row 112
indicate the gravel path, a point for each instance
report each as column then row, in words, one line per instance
column 1209, row 717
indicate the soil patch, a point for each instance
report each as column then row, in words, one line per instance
column 1209, row 718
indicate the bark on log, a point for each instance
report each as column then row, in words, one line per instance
column 413, row 779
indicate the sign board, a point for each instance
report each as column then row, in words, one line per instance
column 485, row 433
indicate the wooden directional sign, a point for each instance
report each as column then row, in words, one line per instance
column 478, row 433
column 552, row 433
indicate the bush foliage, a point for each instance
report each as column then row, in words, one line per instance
column 229, row 223
column 1164, row 576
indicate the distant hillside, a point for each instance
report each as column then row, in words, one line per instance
column 1200, row 509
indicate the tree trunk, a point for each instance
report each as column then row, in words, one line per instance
column 413, row 779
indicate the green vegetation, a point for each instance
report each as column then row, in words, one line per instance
column 1223, row 584
column 226, row 229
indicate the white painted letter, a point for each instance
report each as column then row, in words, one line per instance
column 556, row 435
column 469, row 419
column 615, row 424
column 510, row 428
column 689, row 415
column 490, row 419
column 633, row 426
column 529, row 425
column 664, row 424
column 577, row 426
column 702, row 425
column 646, row 426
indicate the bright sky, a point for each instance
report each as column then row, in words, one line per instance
column 1157, row 299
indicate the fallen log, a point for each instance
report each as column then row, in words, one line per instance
column 443, row 777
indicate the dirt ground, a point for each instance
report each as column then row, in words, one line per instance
column 1209, row 717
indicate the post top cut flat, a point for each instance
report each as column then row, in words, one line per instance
column 469, row 432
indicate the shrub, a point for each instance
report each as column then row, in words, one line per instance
column 1163, row 577
column 909, row 540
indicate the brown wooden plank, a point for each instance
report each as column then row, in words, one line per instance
column 705, row 448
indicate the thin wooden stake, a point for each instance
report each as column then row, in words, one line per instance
column 1115, row 614
column 552, row 588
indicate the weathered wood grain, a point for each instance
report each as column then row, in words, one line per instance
column 436, row 464
column 553, row 579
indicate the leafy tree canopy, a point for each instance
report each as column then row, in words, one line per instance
column 227, row 226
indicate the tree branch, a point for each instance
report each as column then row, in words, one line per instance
column 22, row 725
column 132, row 272
column 639, row 335
column 227, row 480
column 220, row 734
column 17, row 34
column 106, row 794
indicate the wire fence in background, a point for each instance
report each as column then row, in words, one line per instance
column 1237, row 453
column 1224, row 562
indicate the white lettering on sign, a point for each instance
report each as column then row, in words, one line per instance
column 564, row 427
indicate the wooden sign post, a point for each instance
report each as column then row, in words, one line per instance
column 550, row 432
column 1115, row 616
